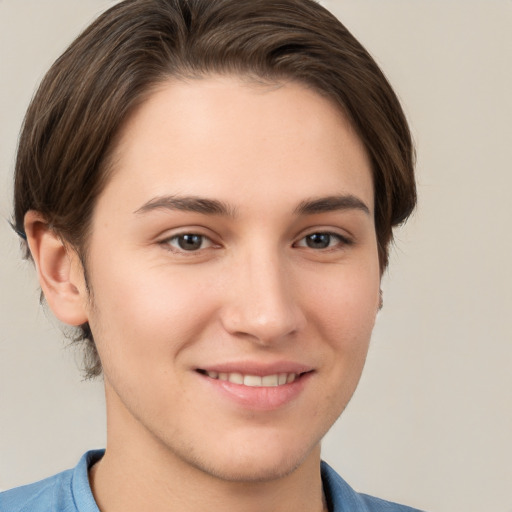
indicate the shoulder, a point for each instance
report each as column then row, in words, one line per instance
column 68, row 491
column 47, row 495
column 342, row 498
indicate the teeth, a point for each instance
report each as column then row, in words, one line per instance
column 252, row 380
column 236, row 378
column 291, row 377
column 270, row 380
column 255, row 380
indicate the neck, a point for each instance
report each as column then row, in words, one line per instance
column 130, row 482
column 138, row 473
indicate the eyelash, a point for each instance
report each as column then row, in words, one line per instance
column 341, row 240
column 303, row 242
column 168, row 242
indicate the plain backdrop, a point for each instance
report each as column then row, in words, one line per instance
column 431, row 422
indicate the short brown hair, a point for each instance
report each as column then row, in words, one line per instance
column 87, row 95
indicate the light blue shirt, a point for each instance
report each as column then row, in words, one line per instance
column 69, row 491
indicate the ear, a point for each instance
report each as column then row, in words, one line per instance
column 59, row 270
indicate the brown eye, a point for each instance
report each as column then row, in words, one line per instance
column 318, row 240
column 323, row 240
column 189, row 242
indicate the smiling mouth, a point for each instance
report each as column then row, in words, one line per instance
column 276, row 379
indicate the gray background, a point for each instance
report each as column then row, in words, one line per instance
column 431, row 422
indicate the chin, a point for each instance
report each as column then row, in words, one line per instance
column 262, row 465
column 250, row 470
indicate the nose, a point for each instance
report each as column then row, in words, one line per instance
column 262, row 305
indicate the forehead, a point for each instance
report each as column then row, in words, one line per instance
column 232, row 139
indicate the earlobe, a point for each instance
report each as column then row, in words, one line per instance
column 59, row 270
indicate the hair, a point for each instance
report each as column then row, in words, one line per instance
column 70, row 127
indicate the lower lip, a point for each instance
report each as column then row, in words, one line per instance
column 259, row 398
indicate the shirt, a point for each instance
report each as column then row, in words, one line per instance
column 70, row 491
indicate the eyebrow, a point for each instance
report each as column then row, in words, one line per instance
column 331, row 203
column 188, row 204
column 214, row 207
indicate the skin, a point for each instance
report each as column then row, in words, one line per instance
column 254, row 291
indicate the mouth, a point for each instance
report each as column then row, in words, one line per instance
column 257, row 387
column 256, row 381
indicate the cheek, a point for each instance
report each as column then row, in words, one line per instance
column 143, row 314
column 346, row 305
column 344, row 312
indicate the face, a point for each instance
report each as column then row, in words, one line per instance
column 234, row 274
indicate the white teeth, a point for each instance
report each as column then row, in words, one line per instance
column 252, row 380
column 270, row 380
column 278, row 379
column 291, row 377
column 236, row 378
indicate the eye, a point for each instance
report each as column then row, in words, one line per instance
column 189, row 242
column 322, row 241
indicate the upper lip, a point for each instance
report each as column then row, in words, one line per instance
column 257, row 368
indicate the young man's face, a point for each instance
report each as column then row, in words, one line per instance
column 235, row 240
